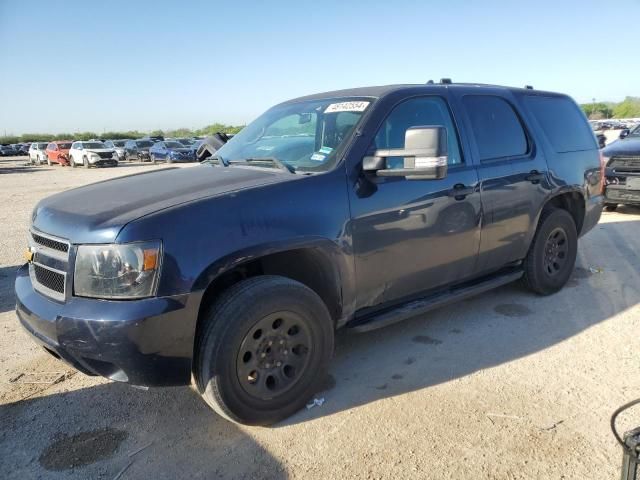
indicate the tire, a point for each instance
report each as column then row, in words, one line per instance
column 168, row 159
column 610, row 207
column 38, row 161
column 152, row 159
column 85, row 162
column 552, row 254
column 48, row 160
column 72, row 162
column 238, row 372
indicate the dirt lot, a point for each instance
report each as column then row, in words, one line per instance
column 507, row 385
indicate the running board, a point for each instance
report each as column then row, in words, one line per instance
column 418, row 307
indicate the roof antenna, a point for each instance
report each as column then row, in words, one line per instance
column 430, row 82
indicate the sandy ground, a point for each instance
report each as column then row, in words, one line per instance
column 506, row 385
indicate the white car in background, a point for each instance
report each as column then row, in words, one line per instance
column 37, row 154
column 92, row 154
column 117, row 145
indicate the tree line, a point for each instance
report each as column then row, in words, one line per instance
column 628, row 108
column 133, row 134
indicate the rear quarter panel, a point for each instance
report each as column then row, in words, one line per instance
column 571, row 171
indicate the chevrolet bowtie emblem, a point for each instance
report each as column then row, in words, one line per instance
column 28, row 255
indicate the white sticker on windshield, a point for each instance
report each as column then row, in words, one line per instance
column 318, row 157
column 347, row 107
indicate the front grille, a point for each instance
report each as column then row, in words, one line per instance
column 49, row 279
column 105, row 154
column 50, row 264
column 622, row 163
column 50, row 243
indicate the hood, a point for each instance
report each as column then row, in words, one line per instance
column 96, row 213
column 626, row 146
column 99, row 150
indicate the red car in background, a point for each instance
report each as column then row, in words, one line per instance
column 58, row 152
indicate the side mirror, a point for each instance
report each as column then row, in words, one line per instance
column 424, row 152
column 624, row 133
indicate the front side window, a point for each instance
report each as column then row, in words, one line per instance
column 417, row 112
column 496, row 127
column 306, row 136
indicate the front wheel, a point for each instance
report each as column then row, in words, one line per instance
column 72, row 162
column 552, row 255
column 48, row 161
column 85, row 161
column 264, row 350
column 610, row 207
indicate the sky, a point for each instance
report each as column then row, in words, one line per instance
column 71, row 66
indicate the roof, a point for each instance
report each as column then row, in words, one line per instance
column 382, row 90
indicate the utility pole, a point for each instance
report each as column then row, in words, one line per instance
column 593, row 109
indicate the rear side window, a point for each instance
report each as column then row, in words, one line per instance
column 562, row 122
column 496, row 127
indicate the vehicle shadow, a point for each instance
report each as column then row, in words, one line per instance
column 7, row 296
column 22, row 168
column 95, row 432
column 481, row 332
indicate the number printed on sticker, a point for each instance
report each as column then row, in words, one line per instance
column 346, row 107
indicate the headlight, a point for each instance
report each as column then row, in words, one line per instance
column 117, row 271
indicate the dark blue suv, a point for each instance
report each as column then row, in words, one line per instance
column 348, row 209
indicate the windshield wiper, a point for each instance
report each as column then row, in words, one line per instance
column 274, row 161
column 221, row 161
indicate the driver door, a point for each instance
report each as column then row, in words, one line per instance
column 412, row 236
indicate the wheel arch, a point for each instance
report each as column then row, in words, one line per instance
column 571, row 200
column 316, row 263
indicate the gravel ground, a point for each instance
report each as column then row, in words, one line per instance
column 506, row 385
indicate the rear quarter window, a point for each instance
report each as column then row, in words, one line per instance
column 562, row 122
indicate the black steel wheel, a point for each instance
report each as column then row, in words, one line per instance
column 274, row 355
column 552, row 254
column 263, row 350
column 555, row 251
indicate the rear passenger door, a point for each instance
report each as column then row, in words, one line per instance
column 513, row 176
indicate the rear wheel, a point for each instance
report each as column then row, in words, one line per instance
column 552, row 255
column 72, row 162
column 264, row 350
column 610, row 207
column 48, row 161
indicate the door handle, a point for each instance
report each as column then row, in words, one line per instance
column 459, row 191
column 534, row 177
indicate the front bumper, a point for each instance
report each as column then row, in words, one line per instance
column 622, row 194
column 146, row 342
column 103, row 162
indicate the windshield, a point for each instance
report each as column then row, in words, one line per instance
column 42, row 145
column 173, row 145
column 93, row 145
column 144, row 144
column 64, row 146
column 118, row 143
column 305, row 135
column 186, row 141
column 635, row 132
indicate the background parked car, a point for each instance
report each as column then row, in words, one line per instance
column 118, row 146
column 137, row 149
column 37, row 153
column 92, row 154
column 171, row 151
column 58, row 152
column 8, row 151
